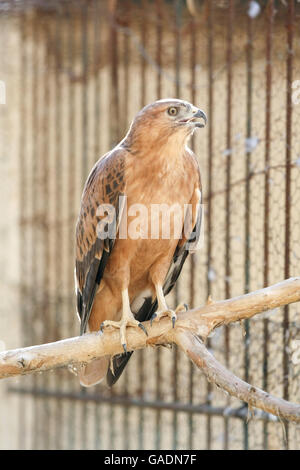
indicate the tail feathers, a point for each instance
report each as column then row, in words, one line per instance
column 119, row 362
column 94, row 372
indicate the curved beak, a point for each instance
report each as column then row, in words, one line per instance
column 201, row 115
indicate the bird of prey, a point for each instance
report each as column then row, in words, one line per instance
column 122, row 281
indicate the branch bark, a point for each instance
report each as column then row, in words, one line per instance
column 197, row 322
column 230, row 383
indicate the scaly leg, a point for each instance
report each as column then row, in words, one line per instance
column 127, row 319
column 163, row 309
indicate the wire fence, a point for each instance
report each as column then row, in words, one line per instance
column 84, row 69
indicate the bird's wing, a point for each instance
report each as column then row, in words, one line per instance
column 150, row 305
column 185, row 246
column 105, row 185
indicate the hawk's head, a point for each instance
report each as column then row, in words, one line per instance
column 165, row 119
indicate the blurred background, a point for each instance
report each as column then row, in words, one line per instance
column 72, row 76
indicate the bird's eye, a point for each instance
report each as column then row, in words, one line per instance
column 173, row 111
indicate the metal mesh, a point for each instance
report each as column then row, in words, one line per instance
column 85, row 68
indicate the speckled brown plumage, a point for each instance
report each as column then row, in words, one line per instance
column 104, row 185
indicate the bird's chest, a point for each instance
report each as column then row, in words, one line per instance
column 159, row 183
column 157, row 199
column 153, row 216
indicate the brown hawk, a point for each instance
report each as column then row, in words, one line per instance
column 122, row 281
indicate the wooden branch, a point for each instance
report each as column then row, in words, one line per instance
column 197, row 322
column 205, row 319
column 223, row 378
